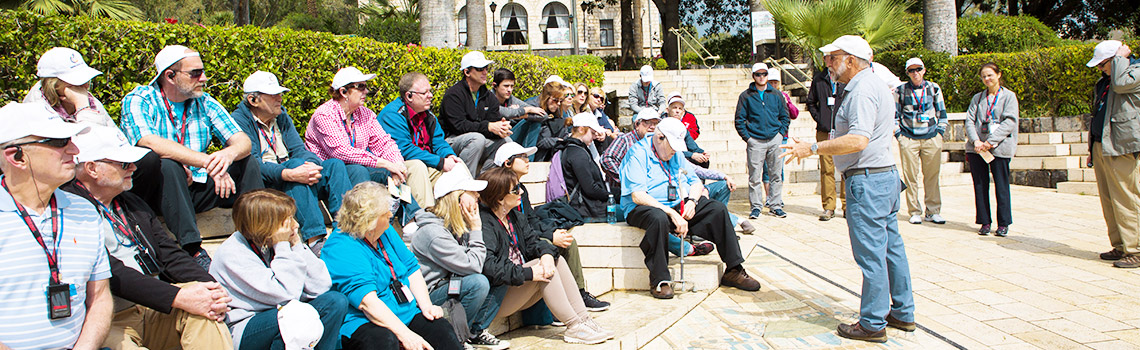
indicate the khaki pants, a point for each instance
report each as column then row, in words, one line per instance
column 421, row 179
column 140, row 327
column 1118, row 184
column 923, row 156
column 827, row 187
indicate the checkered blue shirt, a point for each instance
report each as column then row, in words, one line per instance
column 145, row 113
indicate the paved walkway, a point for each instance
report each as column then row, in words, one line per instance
column 1040, row 288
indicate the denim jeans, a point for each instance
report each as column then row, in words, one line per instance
column 718, row 191
column 261, row 331
column 333, row 184
column 480, row 301
column 872, row 223
column 526, row 133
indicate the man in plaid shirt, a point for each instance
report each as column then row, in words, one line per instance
column 921, row 121
column 177, row 120
column 643, row 124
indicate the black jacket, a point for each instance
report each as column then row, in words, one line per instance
column 462, row 115
column 581, row 173
column 177, row 265
column 498, row 267
column 816, row 102
column 551, row 132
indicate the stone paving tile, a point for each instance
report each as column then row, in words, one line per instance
column 987, row 296
column 1049, row 340
column 979, row 311
column 1072, row 330
column 1095, row 321
column 1025, row 311
column 1013, row 325
column 1131, row 336
column 1112, row 345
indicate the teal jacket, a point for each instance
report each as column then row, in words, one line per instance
column 761, row 114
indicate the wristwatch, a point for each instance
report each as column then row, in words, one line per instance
column 815, row 148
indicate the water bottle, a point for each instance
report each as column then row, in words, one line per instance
column 611, row 210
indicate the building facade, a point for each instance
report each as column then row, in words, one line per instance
column 550, row 27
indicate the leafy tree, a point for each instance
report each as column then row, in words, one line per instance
column 721, row 16
column 1076, row 19
column 811, row 24
column 114, row 9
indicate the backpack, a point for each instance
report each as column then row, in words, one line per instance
column 556, row 181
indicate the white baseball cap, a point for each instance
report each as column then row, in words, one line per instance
column 168, row 57
column 674, row 97
column 457, row 180
column 556, row 79
column 300, row 325
column 511, row 149
column 35, row 119
column 65, row 64
column 103, row 142
column 760, row 66
column 474, row 59
column 349, row 75
column 1103, row 51
column 914, row 61
column 263, row 82
column 647, row 114
column 646, row 73
column 775, row 76
column 851, row 44
column 674, row 132
column 588, row 119
column 884, row 73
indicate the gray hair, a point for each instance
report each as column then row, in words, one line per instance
column 362, row 206
column 246, row 96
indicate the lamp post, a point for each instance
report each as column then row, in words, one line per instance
column 574, row 27
column 494, row 26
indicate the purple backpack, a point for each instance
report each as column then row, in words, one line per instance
column 555, row 182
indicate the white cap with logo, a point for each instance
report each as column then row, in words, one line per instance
column 349, row 75
column 647, row 114
column 1103, row 51
column 300, row 325
column 457, row 180
column 675, row 97
column 759, row 67
column 589, row 120
column 851, row 44
column 263, row 82
column 674, row 132
column 103, row 142
column 168, row 57
column 35, row 119
column 511, row 149
column 474, row 59
column 914, row 61
column 65, row 64
column 646, row 73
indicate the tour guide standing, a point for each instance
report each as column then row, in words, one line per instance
column 861, row 149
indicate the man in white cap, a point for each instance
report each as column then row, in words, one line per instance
column 644, row 123
column 676, row 109
column 56, row 294
column 662, row 194
column 646, row 93
column 921, row 117
column 862, row 152
column 1113, row 143
column 762, row 121
column 470, row 114
column 188, row 307
column 175, row 118
column 285, row 163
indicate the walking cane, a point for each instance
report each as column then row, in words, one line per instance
column 680, row 284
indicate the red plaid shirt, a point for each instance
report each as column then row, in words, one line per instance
column 328, row 136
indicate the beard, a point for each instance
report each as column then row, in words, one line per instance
column 191, row 90
column 840, row 70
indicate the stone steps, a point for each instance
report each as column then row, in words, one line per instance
column 1077, row 187
column 612, row 260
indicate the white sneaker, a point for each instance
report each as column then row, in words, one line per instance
column 916, row 219
column 486, row 340
column 582, row 333
column 935, row 218
column 597, row 327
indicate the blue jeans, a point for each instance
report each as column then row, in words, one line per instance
column 526, row 133
column 719, row 192
column 358, row 173
column 332, row 186
column 480, row 301
column 872, row 222
column 261, row 331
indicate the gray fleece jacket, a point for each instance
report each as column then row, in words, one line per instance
column 441, row 254
column 295, row 273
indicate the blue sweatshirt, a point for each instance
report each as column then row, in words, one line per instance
column 761, row 114
column 394, row 119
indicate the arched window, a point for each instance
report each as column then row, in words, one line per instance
column 556, row 19
column 462, row 26
column 513, row 22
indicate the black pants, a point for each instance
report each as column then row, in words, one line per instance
column 180, row 201
column 147, row 180
column 980, row 171
column 369, row 336
column 711, row 222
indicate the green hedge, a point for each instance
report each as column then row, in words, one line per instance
column 999, row 33
column 304, row 61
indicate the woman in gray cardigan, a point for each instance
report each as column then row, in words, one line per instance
column 991, row 128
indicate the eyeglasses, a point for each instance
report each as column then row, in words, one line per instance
column 425, row 92
column 513, row 158
column 53, row 143
column 193, row 73
column 1101, row 65
column 123, row 165
column 517, row 190
column 914, row 70
column 764, row 74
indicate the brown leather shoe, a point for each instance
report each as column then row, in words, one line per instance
column 856, row 331
column 1112, row 255
column 740, row 279
column 661, row 291
column 900, row 325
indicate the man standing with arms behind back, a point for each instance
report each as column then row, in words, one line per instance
column 862, row 150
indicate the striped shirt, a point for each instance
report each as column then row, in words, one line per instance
column 147, row 112
column 362, row 142
column 24, row 322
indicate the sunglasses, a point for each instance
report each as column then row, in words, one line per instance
column 480, row 69
column 582, row 92
column 760, row 74
column 517, row 190
column 123, row 165
column 193, row 73
column 600, row 97
column 914, row 70
column 357, row 86
column 53, row 143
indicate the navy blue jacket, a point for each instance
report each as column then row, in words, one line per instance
column 394, row 119
column 271, row 172
column 761, row 114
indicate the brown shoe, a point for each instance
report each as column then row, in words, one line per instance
column 661, row 291
column 1131, row 261
column 739, row 278
column 856, row 331
column 1112, row 255
column 827, row 215
column 900, row 325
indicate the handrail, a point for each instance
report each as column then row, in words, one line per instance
column 683, row 34
column 782, row 64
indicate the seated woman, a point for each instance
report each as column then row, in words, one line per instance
column 556, row 101
column 263, row 265
column 530, row 266
column 449, row 246
column 585, row 186
column 390, row 305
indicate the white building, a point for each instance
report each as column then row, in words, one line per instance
column 547, row 27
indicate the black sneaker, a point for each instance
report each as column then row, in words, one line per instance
column 777, row 212
column 486, row 340
column 755, row 214
column 202, row 258
column 702, row 248
column 592, row 303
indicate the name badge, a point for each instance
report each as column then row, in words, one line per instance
column 831, row 101
column 672, row 193
column 59, row 300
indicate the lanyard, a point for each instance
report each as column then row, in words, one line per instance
column 1102, row 101
column 510, row 232
column 351, row 131
column 379, row 248
column 420, row 135
column 257, row 251
column 918, row 97
column 662, row 164
column 56, row 227
column 990, row 110
column 181, row 137
column 271, row 138
column 118, row 219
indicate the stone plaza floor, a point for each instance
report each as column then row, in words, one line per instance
column 1043, row 287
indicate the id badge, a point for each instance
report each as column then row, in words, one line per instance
column 453, row 286
column 672, row 193
column 831, row 135
column 147, row 263
column 985, row 128
column 402, row 293
column 925, row 118
column 59, row 300
column 831, row 101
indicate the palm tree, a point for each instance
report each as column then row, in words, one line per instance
column 940, row 26
column 437, row 23
column 811, row 24
column 113, row 9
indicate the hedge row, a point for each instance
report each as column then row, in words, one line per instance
column 304, row 61
column 986, row 33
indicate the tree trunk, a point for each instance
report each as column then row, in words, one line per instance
column 437, row 23
column 476, row 25
column 241, row 12
column 670, row 18
column 1011, row 7
column 940, row 27
column 631, row 44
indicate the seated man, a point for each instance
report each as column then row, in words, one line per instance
column 52, row 298
column 676, row 109
column 471, row 118
column 173, row 117
column 285, row 163
column 662, row 194
column 415, row 130
column 186, row 307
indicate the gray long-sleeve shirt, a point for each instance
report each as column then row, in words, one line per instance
column 1002, row 119
column 441, row 254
